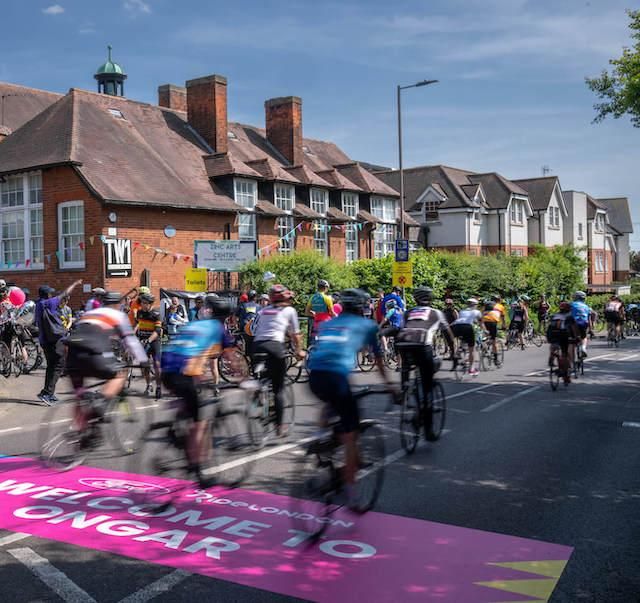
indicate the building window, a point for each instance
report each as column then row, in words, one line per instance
column 351, row 206
column 319, row 200
column 516, row 252
column 71, row 234
column 384, row 237
column 284, row 196
column 21, row 222
column 384, row 209
column 599, row 225
column 477, row 216
column 517, row 212
column 431, row 205
column 320, row 236
column 246, row 195
column 599, row 261
column 580, row 231
column 554, row 217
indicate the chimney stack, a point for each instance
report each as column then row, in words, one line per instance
column 207, row 110
column 283, row 117
column 172, row 97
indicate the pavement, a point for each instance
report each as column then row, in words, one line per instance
column 522, row 474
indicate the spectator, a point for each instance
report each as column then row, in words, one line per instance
column 95, row 301
column 195, row 312
column 379, row 306
column 246, row 313
column 135, row 305
column 175, row 316
column 50, row 335
column 337, row 306
column 66, row 315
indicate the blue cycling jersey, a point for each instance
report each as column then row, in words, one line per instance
column 580, row 312
column 338, row 342
column 395, row 318
column 193, row 346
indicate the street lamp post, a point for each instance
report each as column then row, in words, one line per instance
column 400, row 88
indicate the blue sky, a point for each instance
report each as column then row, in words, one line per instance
column 511, row 96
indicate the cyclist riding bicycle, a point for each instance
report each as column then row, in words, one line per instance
column 272, row 326
column 614, row 314
column 582, row 314
column 463, row 328
column 562, row 332
column 90, row 355
column 149, row 330
column 320, row 306
column 499, row 307
column 491, row 318
column 246, row 313
column 519, row 319
column 183, row 364
column 330, row 365
column 391, row 323
column 415, row 339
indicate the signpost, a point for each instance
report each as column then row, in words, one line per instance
column 402, row 274
column 195, row 279
column 223, row 255
column 402, row 250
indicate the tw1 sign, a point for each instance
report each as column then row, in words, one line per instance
column 117, row 253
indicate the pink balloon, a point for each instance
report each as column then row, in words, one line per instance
column 17, row 296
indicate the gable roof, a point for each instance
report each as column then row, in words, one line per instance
column 619, row 215
column 497, row 189
column 540, row 190
column 593, row 205
column 22, row 104
column 365, row 179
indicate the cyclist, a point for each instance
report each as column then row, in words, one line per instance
column 582, row 314
column 615, row 315
column 491, row 317
column 391, row 323
column 95, row 301
column 246, row 314
column 135, row 304
column 463, row 328
column 184, row 361
column 415, row 339
column 272, row 326
column 90, row 355
column 562, row 332
column 320, row 306
column 519, row 319
column 149, row 330
column 543, row 310
column 332, row 361
column 499, row 307
column 451, row 315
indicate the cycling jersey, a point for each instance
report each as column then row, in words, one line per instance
column 451, row 314
column 469, row 316
column 561, row 321
column 614, row 307
column 339, row 340
column 195, row 344
column 493, row 316
column 273, row 323
column 518, row 315
column 580, row 312
column 394, row 318
column 322, row 305
column 395, row 297
column 500, row 308
column 425, row 319
column 148, row 322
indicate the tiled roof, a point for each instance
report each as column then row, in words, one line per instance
column 22, row 104
column 337, row 180
column 593, row 205
column 225, row 164
column 269, row 209
column 497, row 189
column 540, row 190
column 336, row 215
column 270, row 169
column 409, row 221
column 307, row 176
column 619, row 216
column 365, row 179
column 304, row 211
column 365, row 216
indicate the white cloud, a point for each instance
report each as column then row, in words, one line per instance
column 54, row 9
column 137, row 7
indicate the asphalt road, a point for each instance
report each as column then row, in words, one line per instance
column 516, row 459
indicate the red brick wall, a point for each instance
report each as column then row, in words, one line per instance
column 173, row 97
column 600, row 278
column 207, row 110
column 365, row 242
column 283, row 118
column 337, row 245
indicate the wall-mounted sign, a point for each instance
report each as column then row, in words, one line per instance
column 117, row 253
column 223, row 255
column 195, row 280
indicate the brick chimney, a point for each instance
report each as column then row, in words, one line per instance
column 207, row 110
column 172, row 97
column 283, row 118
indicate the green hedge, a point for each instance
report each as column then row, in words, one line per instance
column 555, row 272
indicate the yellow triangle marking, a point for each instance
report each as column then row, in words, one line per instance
column 540, row 589
column 551, row 569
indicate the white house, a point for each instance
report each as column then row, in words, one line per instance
column 620, row 227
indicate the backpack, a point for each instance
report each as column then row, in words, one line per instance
column 250, row 325
column 52, row 328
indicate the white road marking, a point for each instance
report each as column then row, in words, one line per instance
column 629, row 357
column 471, row 391
column 13, row 538
column 56, row 580
column 10, row 429
column 630, row 424
column 500, row 403
column 163, row 585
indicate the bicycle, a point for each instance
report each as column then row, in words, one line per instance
column 513, row 339
column 578, row 361
column 487, row 355
column 261, row 409
column 164, row 452
column 531, row 336
column 461, row 365
column 366, row 360
column 556, row 372
column 416, row 415
column 71, row 430
column 613, row 336
column 319, row 492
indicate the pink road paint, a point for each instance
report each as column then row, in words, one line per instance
column 248, row 538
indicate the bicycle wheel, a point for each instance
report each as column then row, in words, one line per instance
column 233, row 366
column 554, row 373
column 294, row 369
column 485, row 358
column 257, row 416
column 410, row 423
column 17, row 360
column 500, row 348
column 435, row 412
column 315, row 481
column 128, row 419
column 33, row 360
column 366, row 361
column 460, row 369
column 5, row 360
column 59, row 440
column 537, row 339
column 370, row 475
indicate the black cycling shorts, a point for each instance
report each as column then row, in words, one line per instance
column 389, row 331
column 517, row 326
column 492, row 329
column 561, row 339
column 186, row 388
column 81, row 364
column 465, row 332
column 334, row 389
column 613, row 317
column 152, row 349
column 582, row 330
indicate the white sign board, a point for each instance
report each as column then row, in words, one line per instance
column 118, row 257
column 224, row 255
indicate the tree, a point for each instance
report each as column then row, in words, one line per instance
column 620, row 89
column 634, row 261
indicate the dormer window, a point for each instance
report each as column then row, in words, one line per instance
column 284, row 196
column 599, row 223
column 517, row 212
column 246, row 195
column 116, row 113
column 320, row 204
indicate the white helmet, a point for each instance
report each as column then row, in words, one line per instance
column 472, row 301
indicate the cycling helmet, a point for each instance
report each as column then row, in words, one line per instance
column 147, row 297
column 268, row 276
column 252, row 294
column 472, row 301
column 354, row 300
column 98, row 291
column 423, row 295
column 391, row 303
column 525, row 298
column 322, row 284
column 565, row 306
column 489, row 306
column 220, row 306
column 111, row 298
column 495, row 298
column 279, row 293
column 580, row 295
column 142, row 290
column 263, row 297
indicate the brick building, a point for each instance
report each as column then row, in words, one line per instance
column 81, row 170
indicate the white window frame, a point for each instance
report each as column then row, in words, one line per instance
column 247, row 230
column 321, row 236
column 599, row 261
column 27, row 206
column 351, row 207
column 64, row 264
column 384, row 235
column 599, row 223
column 477, row 216
column 580, row 234
column 319, row 200
column 284, row 198
column 517, row 252
column 517, row 212
column 384, row 209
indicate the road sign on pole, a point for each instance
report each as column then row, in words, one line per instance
column 402, row 274
column 402, row 250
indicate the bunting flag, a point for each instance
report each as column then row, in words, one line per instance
column 187, row 258
column 92, row 239
column 147, row 247
column 27, row 263
column 48, row 258
column 81, row 245
column 136, row 244
column 102, row 238
column 58, row 254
